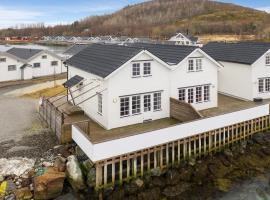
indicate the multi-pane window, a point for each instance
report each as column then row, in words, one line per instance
column 44, row 57
column 190, row 95
column 12, row 68
column 3, row 59
column 147, row 69
column 36, row 65
column 206, row 93
column 267, row 84
column 261, row 84
column 136, row 70
column 147, row 102
column 157, row 101
column 267, row 59
column 182, row 95
column 124, row 106
column 54, row 63
column 199, row 94
column 198, row 64
column 99, row 103
column 136, row 104
column 190, row 65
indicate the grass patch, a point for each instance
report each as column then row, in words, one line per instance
column 48, row 92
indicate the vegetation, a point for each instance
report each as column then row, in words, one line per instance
column 162, row 18
column 48, row 92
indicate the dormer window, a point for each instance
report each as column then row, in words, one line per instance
column 147, row 69
column 195, row 65
column 3, row 60
column 136, row 70
column 191, row 65
column 267, row 59
column 198, row 64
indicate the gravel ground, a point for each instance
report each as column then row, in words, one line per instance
column 22, row 133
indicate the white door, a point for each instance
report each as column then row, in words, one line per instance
column 147, row 107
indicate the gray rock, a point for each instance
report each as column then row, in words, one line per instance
column 228, row 153
column 192, row 161
column 156, row 172
column 139, row 182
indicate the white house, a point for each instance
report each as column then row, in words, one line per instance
column 183, row 39
column 130, row 85
column 22, row 64
column 246, row 72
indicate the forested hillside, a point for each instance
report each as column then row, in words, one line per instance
column 162, row 18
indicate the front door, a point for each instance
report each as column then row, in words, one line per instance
column 147, row 107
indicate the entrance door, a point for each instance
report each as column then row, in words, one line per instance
column 147, row 107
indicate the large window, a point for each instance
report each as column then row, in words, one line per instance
column 99, row 103
column 206, row 93
column 124, row 106
column 36, row 65
column 267, row 59
column 136, row 70
column 198, row 94
column 12, row 68
column 182, row 95
column 195, row 64
column 136, row 104
column 190, row 95
column 147, row 102
column 3, row 59
column 147, row 69
column 264, row 85
column 157, row 101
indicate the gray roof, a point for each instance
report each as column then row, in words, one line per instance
column 75, row 49
column 242, row 52
column 24, row 53
column 73, row 81
column 102, row 60
column 192, row 38
column 171, row 54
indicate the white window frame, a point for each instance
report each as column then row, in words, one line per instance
column 36, row 65
column 190, row 95
column 12, row 68
column 3, row 60
column 267, row 59
column 100, row 100
column 157, row 101
column 44, row 56
column 199, row 95
column 191, row 65
column 261, row 85
column 54, row 63
column 198, row 64
column 206, row 93
column 147, row 102
column 267, row 84
column 124, row 106
column 136, row 104
column 136, row 70
column 147, row 69
column 182, row 94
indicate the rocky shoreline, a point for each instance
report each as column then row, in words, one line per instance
column 59, row 175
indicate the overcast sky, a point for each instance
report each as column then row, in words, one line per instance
column 53, row 12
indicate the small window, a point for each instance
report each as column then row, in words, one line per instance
column 182, row 95
column 147, row 102
column 54, row 63
column 187, row 42
column 3, row 59
column 12, row 68
column 124, row 106
column 36, row 65
column 99, row 103
column 190, row 95
column 198, row 94
column 157, row 101
column 191, row 65
column 147, row 69
column 261, row 83
column 267, row 59
column 198, row 64
column 136, row 70
column 44, row 57
column 206, row 92
column 136, row 104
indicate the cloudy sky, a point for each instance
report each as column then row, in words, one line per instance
column 53, row 12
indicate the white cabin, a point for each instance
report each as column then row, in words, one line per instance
column 183, row 39
column 131, row 85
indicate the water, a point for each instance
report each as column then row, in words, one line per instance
column 55, row 49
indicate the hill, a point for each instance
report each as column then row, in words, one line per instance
column 162, row 18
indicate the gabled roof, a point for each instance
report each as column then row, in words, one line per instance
column 191, row 38
column 171, row 54
column 242, row 52
column 24, row 53
column 102, row 60
column 75, row 49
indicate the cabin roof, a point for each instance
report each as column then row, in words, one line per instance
column 242, row 52
column 75, row 49
column 24, row 53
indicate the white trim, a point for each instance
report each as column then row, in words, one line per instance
column 268, row 51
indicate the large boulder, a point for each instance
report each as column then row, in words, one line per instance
column 74, row 174
column 49, row 185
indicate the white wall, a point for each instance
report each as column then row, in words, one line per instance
column 46, row 68
column 6, row 75
column 236, row 80
column 130, row 144
column 181, row 77
column 260, row 70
